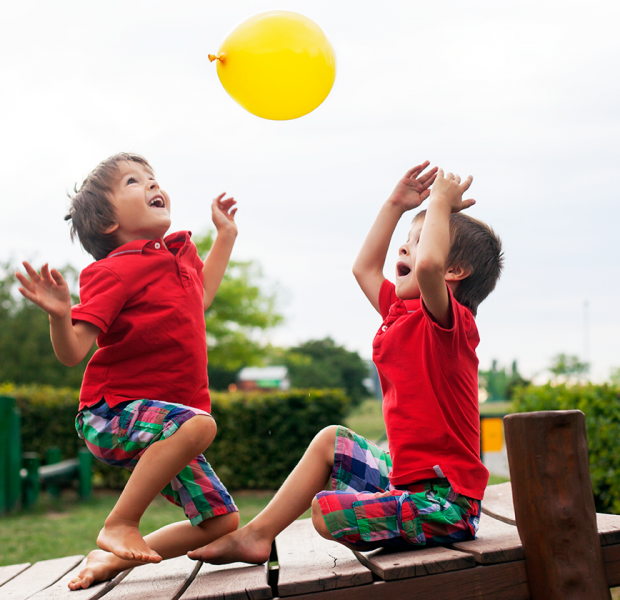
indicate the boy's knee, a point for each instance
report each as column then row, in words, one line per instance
column 326, row 438
column 319, row 522
column 200, row 431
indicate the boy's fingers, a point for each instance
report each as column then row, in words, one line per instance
column 219, row 197
column 457, row 178
column 45, row 272
column 468, row 203
column 57, row 277
column 428, row 178
column 31, row 272
column 415, row 171
column 465, row 185
column 23, row 280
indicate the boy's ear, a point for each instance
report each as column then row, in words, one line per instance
column 111, row 229
column 457, row 273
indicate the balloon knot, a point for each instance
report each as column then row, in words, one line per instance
column 219, row 57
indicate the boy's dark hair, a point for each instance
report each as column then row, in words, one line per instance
column 91, row 211
column 473, row 245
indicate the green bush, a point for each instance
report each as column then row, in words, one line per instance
column 601, row 406
column 261, row 435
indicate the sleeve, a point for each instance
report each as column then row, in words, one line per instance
column 102, row 296
column 450, row 339
column 387, row 297
column 197, row 263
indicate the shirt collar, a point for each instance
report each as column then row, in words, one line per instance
column 137, row 246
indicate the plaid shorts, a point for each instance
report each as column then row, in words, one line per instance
column 426, row 513
column 118, row 436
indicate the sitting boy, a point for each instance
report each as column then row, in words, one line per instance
column 144, row 401
column 427, row 489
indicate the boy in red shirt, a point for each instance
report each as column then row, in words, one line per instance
column 427, row 489
column 144, row 401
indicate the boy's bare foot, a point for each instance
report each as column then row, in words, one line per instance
column 124, row 540
column 243, row 545
column 99, row 567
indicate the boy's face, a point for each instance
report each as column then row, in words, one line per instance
column 141, row 208
column 407, row 286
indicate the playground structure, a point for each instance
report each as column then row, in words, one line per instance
column 539, row 538
column 21, row 474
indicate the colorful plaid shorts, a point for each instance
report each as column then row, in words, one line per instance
column 426, row 513
column 119, row 435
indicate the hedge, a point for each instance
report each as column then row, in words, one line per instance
column 601, row 406
column 261, row 435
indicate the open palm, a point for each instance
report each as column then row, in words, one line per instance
column 47, row 290
column 413, row 188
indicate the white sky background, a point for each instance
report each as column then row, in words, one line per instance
column 523, row 95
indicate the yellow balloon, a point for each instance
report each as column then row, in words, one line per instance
column 278, row 65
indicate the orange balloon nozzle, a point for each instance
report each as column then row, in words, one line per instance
column 219, row 57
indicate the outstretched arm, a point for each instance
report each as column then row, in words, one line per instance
column 434, row 245
column 50, row 292
column 223, row 214
column 409, row 193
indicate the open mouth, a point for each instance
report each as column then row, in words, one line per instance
column 402, row 270
column 157, row 202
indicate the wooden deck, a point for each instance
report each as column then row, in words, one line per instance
column 491, row 567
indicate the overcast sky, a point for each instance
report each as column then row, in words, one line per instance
column 524, row 96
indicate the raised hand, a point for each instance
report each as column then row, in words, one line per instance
column 223, row 213
column 47, row 290
column 450, row 190
column 413, row 188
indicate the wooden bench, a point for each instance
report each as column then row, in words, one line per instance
column 304, row 565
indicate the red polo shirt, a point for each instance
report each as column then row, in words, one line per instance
column 429, row 378
column 148, row 302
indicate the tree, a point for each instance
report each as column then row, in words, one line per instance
column 499, row 384
column 615, row 376
column 240, row 310
column 566, row 367
column 323, row 364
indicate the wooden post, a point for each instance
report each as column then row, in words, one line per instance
column 554, row 505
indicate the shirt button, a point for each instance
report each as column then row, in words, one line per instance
column 157, row 245
column 384, row 328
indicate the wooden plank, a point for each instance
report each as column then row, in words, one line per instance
column 236, row 581
column 611, row 558
column 61, row 591
column 507, row 581
column 554, row 506
column 7, row 573
column 391, row 565
column 496, row 542
column 309, row 563
column 160, row 581
column 608, row 528
column 38, row 577
column 498, row 504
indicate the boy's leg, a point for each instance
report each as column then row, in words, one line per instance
column 156, row 440
column 208, row 506
column 252, row 543
column 157, row 466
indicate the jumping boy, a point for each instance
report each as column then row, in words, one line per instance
column 427, row 489
column 144, row 401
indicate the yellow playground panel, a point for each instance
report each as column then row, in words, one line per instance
column 492, row 430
